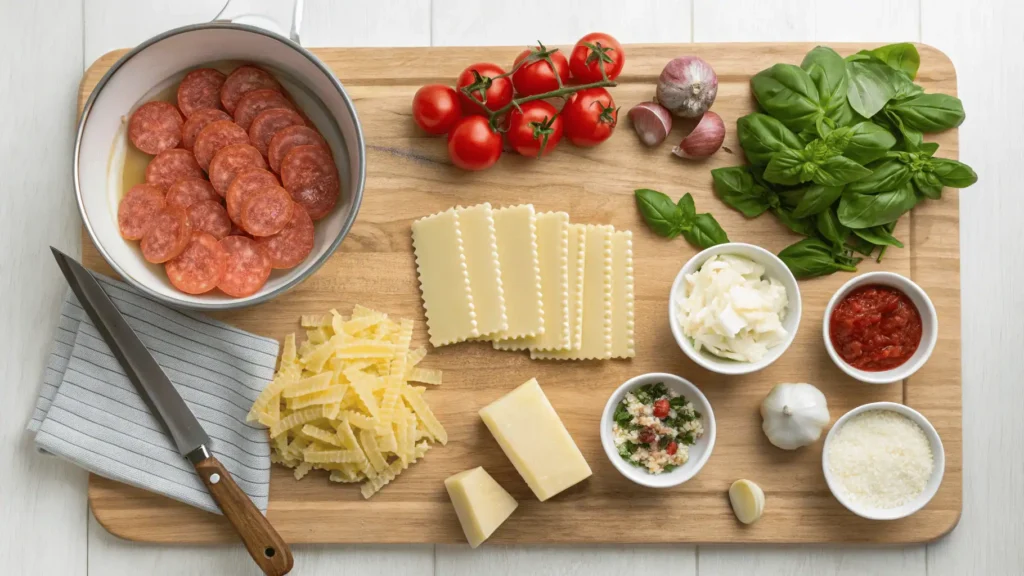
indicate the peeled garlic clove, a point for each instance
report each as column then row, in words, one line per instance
column 705, row 139
column 747, row 501
column 652, row 122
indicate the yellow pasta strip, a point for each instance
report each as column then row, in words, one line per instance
column 372, row 451
column 425, row 375
column 337, row 322
column 332, row 456
column 387, row 441
column 302, row 469
column 362, row 349
column 359, row 420
column 331, row 410
column 309, row 385
column 314, row 321
column 343, row 475
column 296, row 419
column 296, row 447
column 322, row 435
column 316, row 358
column 288, row 355
column 316, row 336
column 328, row 395
column 430, row 422
column 276, row 386
column 374, row 485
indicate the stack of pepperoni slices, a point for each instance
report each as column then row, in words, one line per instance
column 237, row 178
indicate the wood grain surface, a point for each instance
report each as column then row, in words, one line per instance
column 409, row 176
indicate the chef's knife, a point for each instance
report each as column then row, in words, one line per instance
column 264, row 544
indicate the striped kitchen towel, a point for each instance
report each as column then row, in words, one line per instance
column 88, row 411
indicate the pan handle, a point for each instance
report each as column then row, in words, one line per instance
column 283, row 17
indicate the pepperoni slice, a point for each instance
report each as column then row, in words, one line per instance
column 168, row 235
column 244, row 185
column 267, row 212
column 215, row 136
column 187, row 191
column 209, row 216
column 289, row 247
column 200, row 90
column 155, row 127
column 231, row 161
column 197, row 122
column 199, row 267
column 310, row 176
column 287, row 138
column 248, row 267
column 268, row 123
column 136, row 211
column 243, row 80
column 257, row 101
column 172, row 165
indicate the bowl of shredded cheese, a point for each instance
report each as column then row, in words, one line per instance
column 734, row 308
column 883, row 461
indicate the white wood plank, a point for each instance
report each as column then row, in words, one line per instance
column 42, row 499
column 789, row 21
column 475, row 23
column 565, row 560
column 982, row 39
column 113, row 24
column 366, row 23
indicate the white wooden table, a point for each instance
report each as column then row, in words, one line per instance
column 45, row 45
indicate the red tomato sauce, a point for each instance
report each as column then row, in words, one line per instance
column 875, row 328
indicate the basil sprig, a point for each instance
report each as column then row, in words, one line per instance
column 837, row 153
column 669, row 219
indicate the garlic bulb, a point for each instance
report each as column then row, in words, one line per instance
column 747, row 501
column 794, row 415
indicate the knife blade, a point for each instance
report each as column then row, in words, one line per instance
column 264, row 544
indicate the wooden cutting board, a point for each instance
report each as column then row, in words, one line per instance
column 409, row 176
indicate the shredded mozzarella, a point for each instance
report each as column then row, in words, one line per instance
column 881, row 459
column 732, row 309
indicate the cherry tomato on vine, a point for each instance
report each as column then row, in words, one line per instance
column 473, row 145
column 486, row 87
column 533, row 126
column 596, row 46
column 537, row 76
column 590, row 117
column 436, row 108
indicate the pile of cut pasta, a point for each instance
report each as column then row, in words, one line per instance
column 343, row 400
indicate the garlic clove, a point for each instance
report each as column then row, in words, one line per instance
column 651, row 121
column 707, row 137
column 687, row 86
column 747, row 501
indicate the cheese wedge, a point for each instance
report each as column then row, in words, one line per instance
column 528, row 429
column 481, row 504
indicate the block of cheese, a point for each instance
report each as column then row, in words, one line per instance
column 481, row 249
column 444, row 281
column 596, row 341
column 480, row 503
column 533, row 437
column 553, row 257
column 516, row 230
column 622, row 295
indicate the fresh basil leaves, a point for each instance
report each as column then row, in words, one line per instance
column 736, row 187
column 787, row 92
column 811, row 257
column 669, row 219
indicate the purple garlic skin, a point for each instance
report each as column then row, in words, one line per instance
column 651, row 121
column 687, row 86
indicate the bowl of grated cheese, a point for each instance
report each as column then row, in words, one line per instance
column 883, row 461
column 734, row 308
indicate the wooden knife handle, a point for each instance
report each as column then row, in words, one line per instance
column 264, row 544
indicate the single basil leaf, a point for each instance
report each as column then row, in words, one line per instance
column 871, row 85
column 828, row 72
column 928, row 149
column 736, row 187
column 705, row 232
column 663, row 217
column 802, row 226
column 928, row 184
column 902, row 57
column 839, row 171
column 887, row 174
column 687, row 209
column 868, row 142
column 788, row 168
column 761, row 136
column 788, row 93
column 790, row 198
column 831, row 228
column 816, row 199
column 929, row 112
column 952, row 173
column 879, row 236
column 907, row 89
column 860, row 245
column 811, row 257
column 857, row 211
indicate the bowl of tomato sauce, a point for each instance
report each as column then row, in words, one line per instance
column 880, row 327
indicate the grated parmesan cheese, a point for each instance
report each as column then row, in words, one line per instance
column 881, row 459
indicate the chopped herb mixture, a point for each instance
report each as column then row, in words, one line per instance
column 654, row 428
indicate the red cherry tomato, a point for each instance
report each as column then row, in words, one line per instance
column 671, row 448
column 590, row 117
column 538, row 76
column 661, row 408
column 583, row 62
column 436, row 108
column 492, row 91
column 536, row 123
column 473, row 145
